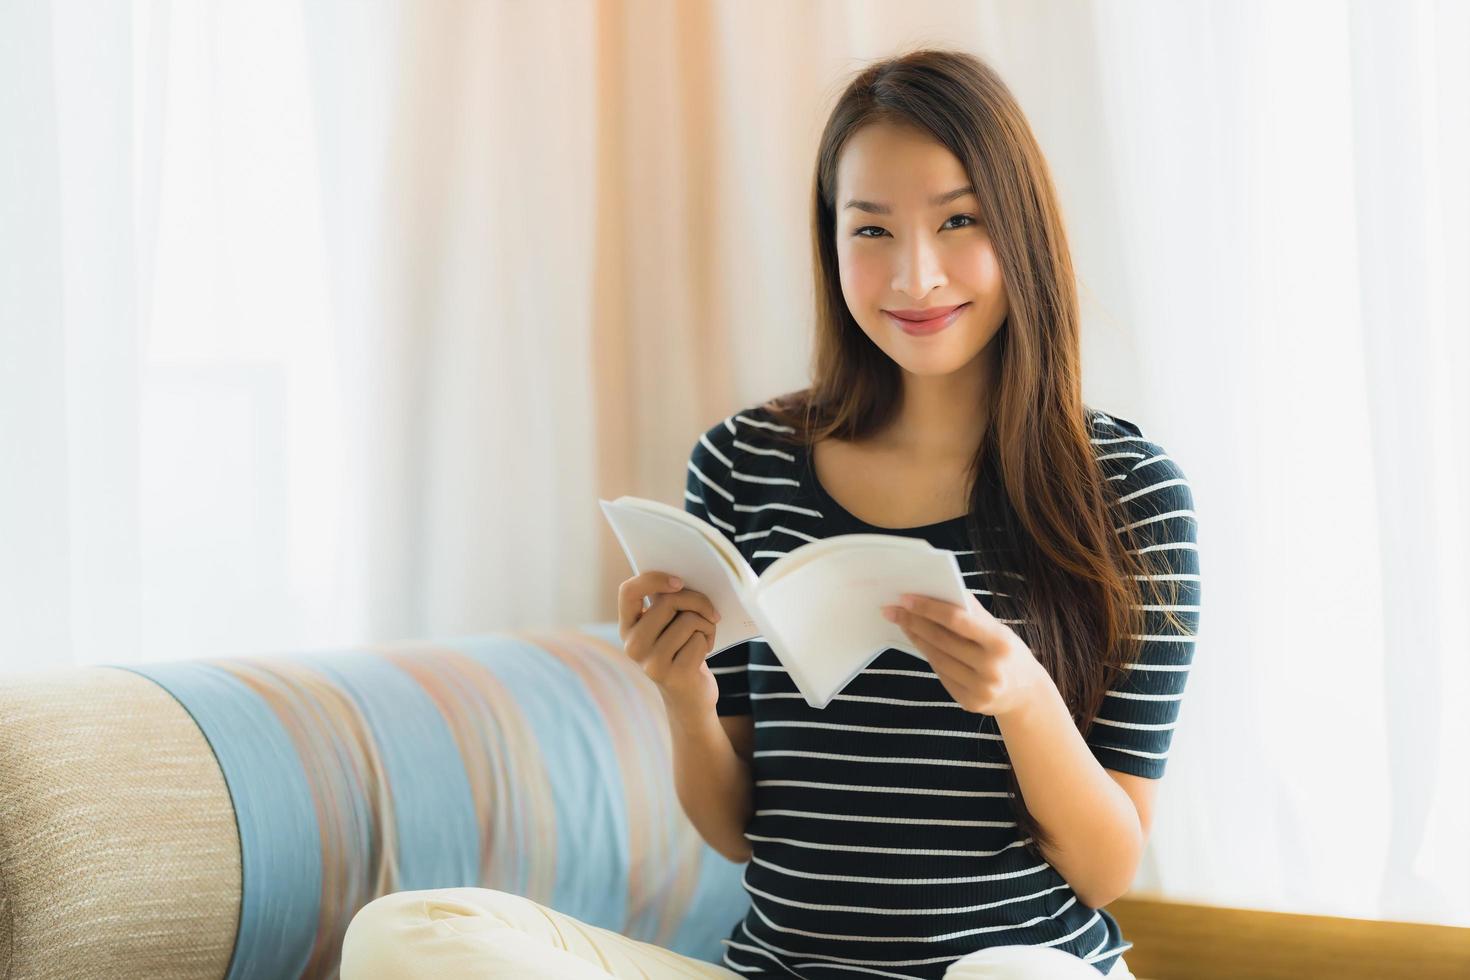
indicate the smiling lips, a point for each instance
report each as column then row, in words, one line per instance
column 921, row 316
column 926, row 321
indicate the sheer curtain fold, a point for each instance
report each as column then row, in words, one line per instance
column 323, row 323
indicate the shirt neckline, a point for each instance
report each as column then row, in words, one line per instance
column 830, row 505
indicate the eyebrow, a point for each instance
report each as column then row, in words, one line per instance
column 935, row 201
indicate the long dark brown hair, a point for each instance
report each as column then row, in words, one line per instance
column 1039, row 500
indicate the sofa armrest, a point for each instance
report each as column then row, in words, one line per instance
column 115, row 828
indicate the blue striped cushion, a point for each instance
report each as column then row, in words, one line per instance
column 530, row 762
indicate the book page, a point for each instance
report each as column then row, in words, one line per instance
column 823, row 618
column 657, row 537
column 797, row 557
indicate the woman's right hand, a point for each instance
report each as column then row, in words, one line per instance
column 670, row 639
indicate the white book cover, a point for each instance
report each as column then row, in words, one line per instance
column 819, row 606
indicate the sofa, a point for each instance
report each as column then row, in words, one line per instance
column 227, row 817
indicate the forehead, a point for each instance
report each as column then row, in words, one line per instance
column 899, row 165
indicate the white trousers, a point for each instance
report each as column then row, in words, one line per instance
column 465, row 933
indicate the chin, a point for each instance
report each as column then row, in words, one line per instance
column 941, row 353
column 936, row 366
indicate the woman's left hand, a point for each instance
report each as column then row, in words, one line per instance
column 981, row 661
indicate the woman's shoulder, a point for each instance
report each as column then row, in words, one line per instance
column 1117, row 438
column 1109, row 423
column 743, row 460
column 1151, row 481
column 754, row 427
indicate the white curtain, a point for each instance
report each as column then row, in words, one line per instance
column 1288, row 188
column 299, row 344
column 269, row 378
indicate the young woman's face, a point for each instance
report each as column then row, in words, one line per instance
column 919, row 255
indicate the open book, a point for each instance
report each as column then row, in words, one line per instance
column 819, row 606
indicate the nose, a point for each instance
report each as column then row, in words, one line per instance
column 918, row 270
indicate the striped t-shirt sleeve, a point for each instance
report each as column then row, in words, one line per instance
column 1135, row 724
column 709, row 495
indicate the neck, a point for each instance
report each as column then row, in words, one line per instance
column 942, row 418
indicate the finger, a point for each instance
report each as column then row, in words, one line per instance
column 701, row 604
column 970, row 620
column 927, row 628
column 693, row 603
column 676, row 635
column 955, row 618
column 929, row 636
column 632, row 592
column 692, row 654
column 669, row 616
column 652, row 627
column 948, row 669
column 689, row 656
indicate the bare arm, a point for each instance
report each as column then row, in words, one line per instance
column 713, row 780
column 1098, row 834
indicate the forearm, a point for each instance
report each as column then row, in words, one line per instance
column 1097, row 839
column 713, row 783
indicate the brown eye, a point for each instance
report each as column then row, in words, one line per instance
column 969, row 218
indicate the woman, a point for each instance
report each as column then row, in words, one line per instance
column 966, row 817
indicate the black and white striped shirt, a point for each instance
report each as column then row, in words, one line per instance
column 883, row 843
